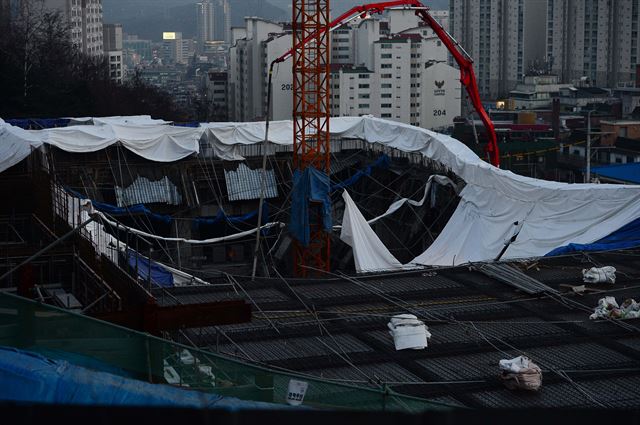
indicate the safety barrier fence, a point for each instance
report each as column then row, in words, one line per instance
column 98, row 345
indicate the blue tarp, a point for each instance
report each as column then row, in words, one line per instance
column 626, row 237
column 187, row 124
column 159, row 275
column 383, row 163
column 133, row 209
column 623, row 172
column 115, row 210
column 309, row 185
column 167, row 219
column 221, row 217
column 29, row 377
column 39, row 123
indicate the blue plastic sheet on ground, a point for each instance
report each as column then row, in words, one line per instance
column 383, row 163
column 159, row 275
column 624, row 238
column 310, row 185
column 30, row 378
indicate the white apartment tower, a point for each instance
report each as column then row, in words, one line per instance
column 112, row 38
column 597, row 39
column 502, row 36
column 85, row 23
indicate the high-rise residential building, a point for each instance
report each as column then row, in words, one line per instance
column 213, row 21
column 222, row 21
column 112, row 41
column 85, row 23
column 502, row 36
column 597, row 39
column 399, row 76
column 205, row 22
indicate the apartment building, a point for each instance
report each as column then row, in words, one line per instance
column 213, row 21
column 399, row 76
column 176, row 49
column 597, row 39
column 112, row 41
column 85, row 23
column 502, row 36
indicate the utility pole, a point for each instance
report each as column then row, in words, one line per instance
column 588, row 175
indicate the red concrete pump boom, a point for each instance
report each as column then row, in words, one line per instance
column 462, row 58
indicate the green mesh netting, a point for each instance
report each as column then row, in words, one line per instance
column 63, row 335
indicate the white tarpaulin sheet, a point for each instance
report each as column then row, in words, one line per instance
column 369, row 253
column 550, row 214
column 150, row 139
column 15, row 145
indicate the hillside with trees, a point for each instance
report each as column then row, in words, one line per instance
column 43, row 75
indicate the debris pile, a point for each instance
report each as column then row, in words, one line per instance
column 608, row 308
column 520, row 373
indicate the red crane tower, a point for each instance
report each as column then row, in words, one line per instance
column 311, row 112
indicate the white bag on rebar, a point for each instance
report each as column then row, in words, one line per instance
column 520, row 373
column 599, row 275
column 408, row 332
column 514, row 365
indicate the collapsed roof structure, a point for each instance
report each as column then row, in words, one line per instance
column 501, row 215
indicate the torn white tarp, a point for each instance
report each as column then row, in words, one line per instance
column 369, row 253
column 427, row 189
column 605, row 274
column 408, row 332
column 549, row 214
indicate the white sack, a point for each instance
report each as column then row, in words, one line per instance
column 605, row 274
column 408, row 332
